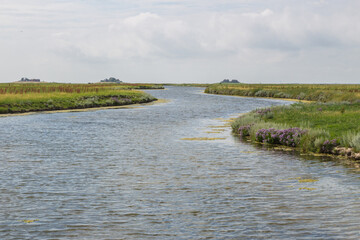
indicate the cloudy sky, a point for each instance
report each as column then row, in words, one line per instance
column 174, row 41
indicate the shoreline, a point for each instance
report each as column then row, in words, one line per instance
column 303, row 92
column 344, row 155
column 339, row 152
column 274, row 98
column 282, row 148
column 49, row 97
column 135, row 105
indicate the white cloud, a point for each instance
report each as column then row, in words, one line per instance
column 268, row 34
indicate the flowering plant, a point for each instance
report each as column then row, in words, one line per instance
column 263, row 111
column 288, row 137
column 245, row 130
column 328, row 146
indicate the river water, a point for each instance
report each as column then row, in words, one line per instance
column 128, row 174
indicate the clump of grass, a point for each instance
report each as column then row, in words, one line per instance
column 313, row 139
column 244, row 120
column 351, row 139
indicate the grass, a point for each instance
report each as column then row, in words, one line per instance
column 335, row 118
column 326, row 125
column 29, row 97
column 308, row 92
column 326, row 117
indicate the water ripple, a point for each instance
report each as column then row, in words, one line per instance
column 125, row 174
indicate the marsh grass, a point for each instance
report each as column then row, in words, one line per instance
column 307, row 92
column 328, row 117
column 352, row 140
column 18, row 98
column 327, row 125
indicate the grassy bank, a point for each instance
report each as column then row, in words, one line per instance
column 309, row 92
column 31, row 97
column 331, row 125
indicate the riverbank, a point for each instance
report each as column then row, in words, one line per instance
column 325, row 119
column 319, row 128
column 23, row 98
column 131, row 106
column 308, row 92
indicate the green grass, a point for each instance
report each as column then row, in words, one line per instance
column 309, row 92
column 20, row 97
column 336, row 118
column 327, row 112
column 322, row 121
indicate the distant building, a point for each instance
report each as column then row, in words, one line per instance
column 29, row 80
column 228, row 81
column 111, row 80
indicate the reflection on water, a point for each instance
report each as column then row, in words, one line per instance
column 126, row 174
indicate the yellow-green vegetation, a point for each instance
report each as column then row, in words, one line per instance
column 30, row 221
column 220, row 126
column 30, row 97
column 329, row 126
column 216, row 131
column 202, row 139
column 248, row 152
column 307, row 188
column 309, row 92
column 307, row 180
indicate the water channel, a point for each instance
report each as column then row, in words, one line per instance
column 128, row 174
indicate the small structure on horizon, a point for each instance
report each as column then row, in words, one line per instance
column 228, row 81
column 111, row 80
column 29, row 80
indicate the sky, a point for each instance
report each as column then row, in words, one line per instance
column 181, row 41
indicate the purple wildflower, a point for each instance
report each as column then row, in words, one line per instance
column 328, row 146
column 288, row 137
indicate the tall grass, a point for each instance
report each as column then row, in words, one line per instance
column 22, row 97
column 351, row 139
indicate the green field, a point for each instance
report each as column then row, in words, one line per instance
column 30, row 97
column 329, row 122
column 336, row 118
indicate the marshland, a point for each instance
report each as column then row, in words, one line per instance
column 305, row 92
column 325, row 119
column 168, row 171
column 235, row 119
column 32, row 97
